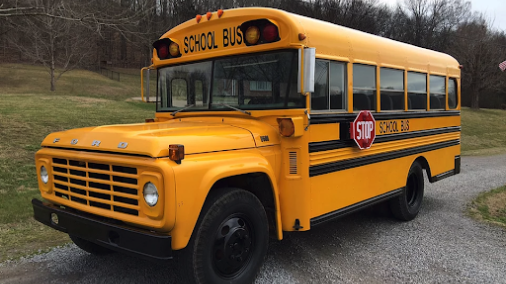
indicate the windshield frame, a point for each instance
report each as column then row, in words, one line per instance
column 293, row 75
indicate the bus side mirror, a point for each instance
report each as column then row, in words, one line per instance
column 307, row 57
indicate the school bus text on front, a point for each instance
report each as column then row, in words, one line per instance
column 266, row 122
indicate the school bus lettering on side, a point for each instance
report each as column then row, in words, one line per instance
column 393, row 126
column 260, row 129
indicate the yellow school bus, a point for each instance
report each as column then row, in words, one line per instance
column 266, row 122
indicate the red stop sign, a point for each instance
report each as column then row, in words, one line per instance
column 363, row 129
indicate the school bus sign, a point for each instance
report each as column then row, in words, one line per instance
column 363, row 129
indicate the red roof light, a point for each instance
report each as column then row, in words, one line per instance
column 163, row 51
column 270, row 33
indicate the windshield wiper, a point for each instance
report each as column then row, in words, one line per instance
column 237, row 109
column 181, row 109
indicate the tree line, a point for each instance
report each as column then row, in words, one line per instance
column 65, row 34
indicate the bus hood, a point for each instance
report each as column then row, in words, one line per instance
column 153, row 139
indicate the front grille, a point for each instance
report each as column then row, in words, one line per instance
column 104, row 186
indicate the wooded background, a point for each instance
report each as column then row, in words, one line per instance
column 66, row 34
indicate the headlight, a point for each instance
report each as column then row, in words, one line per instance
column 44, row 177
column 150, row 194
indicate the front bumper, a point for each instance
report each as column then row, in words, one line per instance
column 119, row 238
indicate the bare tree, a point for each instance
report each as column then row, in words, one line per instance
column 58, row 44
column 480, row 50
column 63, row 35
column 428, row 23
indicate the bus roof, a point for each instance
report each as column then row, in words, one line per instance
column 333, row 42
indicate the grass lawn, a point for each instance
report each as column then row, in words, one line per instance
column 28, row 112
column 483, row 131
column 490, row 206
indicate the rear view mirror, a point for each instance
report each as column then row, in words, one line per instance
column 307, row 58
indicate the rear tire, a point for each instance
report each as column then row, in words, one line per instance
column 90, row 247
column 229, row 242
column 406, row 206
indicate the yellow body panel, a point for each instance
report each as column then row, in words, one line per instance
column 221, row 144
column 324, row 132
column 331, row 192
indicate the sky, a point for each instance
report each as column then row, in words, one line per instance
column 494, row 10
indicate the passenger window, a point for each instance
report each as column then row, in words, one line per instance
column 329, row 94
column 320, row 96
column 179, row 90
column 392, row 89
column 437, row 92
column 417, row 91
column 364, row 87
column 452, row 93
column 337, row 85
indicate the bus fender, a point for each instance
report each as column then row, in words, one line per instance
column 190, row 204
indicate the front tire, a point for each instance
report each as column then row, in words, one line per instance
column 230, row 240
column 406, row 206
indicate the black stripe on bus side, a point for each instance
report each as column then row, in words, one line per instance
column 355, row 207
column 338, row 144
column 416, row 134
column 330, row 145
column 358, row 162
column 321, row 118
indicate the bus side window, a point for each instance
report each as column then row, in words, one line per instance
column 320, row 96
column 329, row 86
column 452, row 93
column 338, row 86
column 392, row 89
column 437, row 92
column 417, row 91
column 364, row 87
column 179, row 90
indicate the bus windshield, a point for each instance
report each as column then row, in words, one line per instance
column 249, row 82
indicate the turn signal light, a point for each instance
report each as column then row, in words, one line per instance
column 286, row 127
column 259, row 32
column 174, row 49
column 167, row 48
column 176, row 152
column 252, row 35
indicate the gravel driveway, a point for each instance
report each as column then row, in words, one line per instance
column 441, row 245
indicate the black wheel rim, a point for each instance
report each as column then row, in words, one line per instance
column 412, row 190
column 233, row 245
